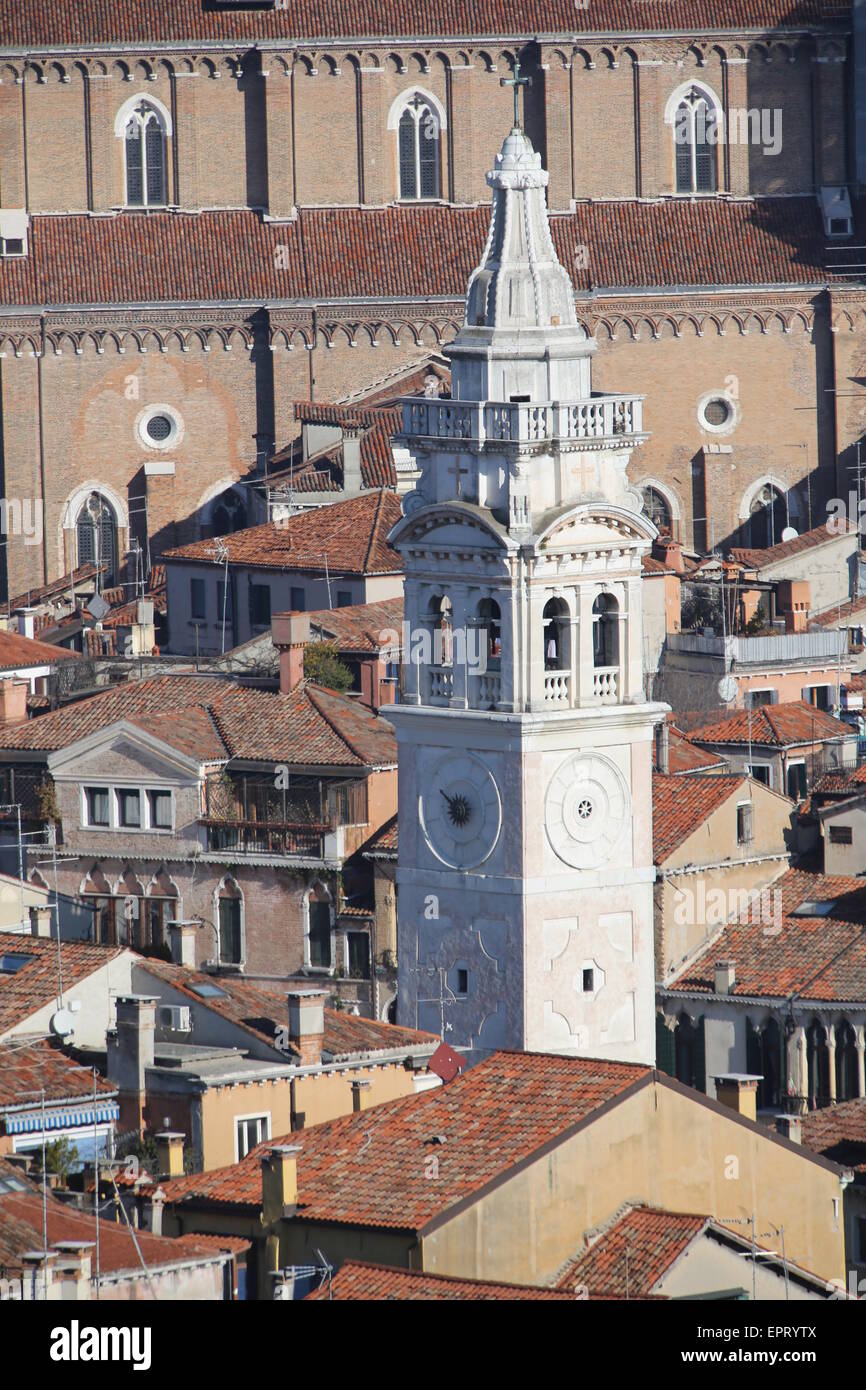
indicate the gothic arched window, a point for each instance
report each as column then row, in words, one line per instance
column 230, row 904
column 96, row 532
column 768, row 517
column 655, row 504
column 695, row 136
column 846, row 1062
column 144, row 143
column 229, row 514
column 418, row 137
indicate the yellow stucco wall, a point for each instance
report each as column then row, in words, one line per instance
column 329, row 1095
column 659, row 1147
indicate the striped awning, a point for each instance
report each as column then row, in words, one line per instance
column 32, row 1122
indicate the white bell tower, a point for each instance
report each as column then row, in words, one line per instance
column 525, row 875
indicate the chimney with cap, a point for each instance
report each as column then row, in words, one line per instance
column 130, row 1053
column 40, row 920
column 307, row 1024
column 181, row 936
column 352, row 481
column 361, row 1095
column 290, row 634
column 279, row 1181
column 738, row 1091
column 724, row 977
column 169, row 1153
column 790, row 1127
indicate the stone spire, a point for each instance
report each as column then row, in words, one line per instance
column 520, row 335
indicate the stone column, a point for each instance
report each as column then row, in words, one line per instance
column 575, row 629
column 12, row 182
column 374, row 136
column 860, row 1044
column 186, row 168
column 632, row 666
column 584, row 694
column 735, row 158
column 830, row 1035
column 459, row 596
column 411, row 627
column 510, row 646
column 535, row 655
column 279, row 136
column 797, row 1067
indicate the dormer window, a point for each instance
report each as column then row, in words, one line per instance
column 14, row 224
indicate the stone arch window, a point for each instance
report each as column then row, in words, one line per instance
column 162, row 906
column 657, row 508
column 818, row 1063
column 318, row 928
column 228, row 513
column 145, row 157
column 230, row 922
column 769, row 1065
column 419, row 120
column 439, row 621
column 846, row 1062
column 557, row 635
column 489, row 621
column 694, row 114
column 96, row 537
column 768, row 517
column 605, row 631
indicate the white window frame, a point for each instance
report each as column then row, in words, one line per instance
column 768, row 766
column 747, row 801
column 127, row 113
column 114, row 824
column 404, row 103
column 322, row 969
column 261, row 1116
column 240, row 898
column 679, row 98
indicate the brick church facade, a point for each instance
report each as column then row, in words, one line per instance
column 228, row 213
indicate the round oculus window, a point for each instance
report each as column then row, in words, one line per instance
column 158, row 428
column 717, row 412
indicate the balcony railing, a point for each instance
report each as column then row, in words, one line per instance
column 557, row 689
column 599, row 417
column 488, row 688
column 761, row 651
column 255, row 837
column 604, row 684
column 441, row 684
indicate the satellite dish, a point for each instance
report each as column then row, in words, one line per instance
column 790, row 533
column 727, row 689
column 63, row 1023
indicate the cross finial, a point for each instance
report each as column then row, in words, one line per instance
column 516, row 81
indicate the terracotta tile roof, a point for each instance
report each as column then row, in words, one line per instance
column 681, row 805
column 356, row 1280
column 774, row 726
column 323, row 471
column 213, row 720
column 261, row 1008
column 383, row 845
column 839, row 1133
column 73, row 22
column 125, row 614
column 369, row 1169
column 161, row 695
column 833, row 617
column 351, row 535
column 821, row 958
column 85, row 574
column 404, row 252
column 99, row 643
column 35, row 984
column 362, row 627
column 17, row 651
column 21, row 1231
column 25, row 1067
column 772, row 555
column 841, row 782
column 655, row 1239
column 684, row 757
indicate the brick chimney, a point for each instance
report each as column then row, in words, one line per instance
column 307, row 1024
column 279, row 1181
column 669, row 553
column 40, row 921
column 181, row 937
column 663, row 748
column 738, row 1091
column 375, row 689
column 361, row 1095
column 290, row 633
column 13, row 701
column 130, row 1053
column 169, row 1153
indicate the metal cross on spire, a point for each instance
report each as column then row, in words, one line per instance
column 516, row 81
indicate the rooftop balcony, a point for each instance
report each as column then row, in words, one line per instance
column 762, row 651
column 600, row 418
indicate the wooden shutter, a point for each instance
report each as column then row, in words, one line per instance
column 665, row 1047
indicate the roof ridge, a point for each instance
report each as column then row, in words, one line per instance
column 309, row 688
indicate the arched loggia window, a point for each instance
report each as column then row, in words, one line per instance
column 96, row 533
column 605, row 631
column 439, row 624
column 656, row 506
column 768, row 517
column 490, row 625
column 557, row 656
column 695, row 137
column 145, row 147
column 419, row 134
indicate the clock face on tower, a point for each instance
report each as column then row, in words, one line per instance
column 461, row 811
column 587, row 810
